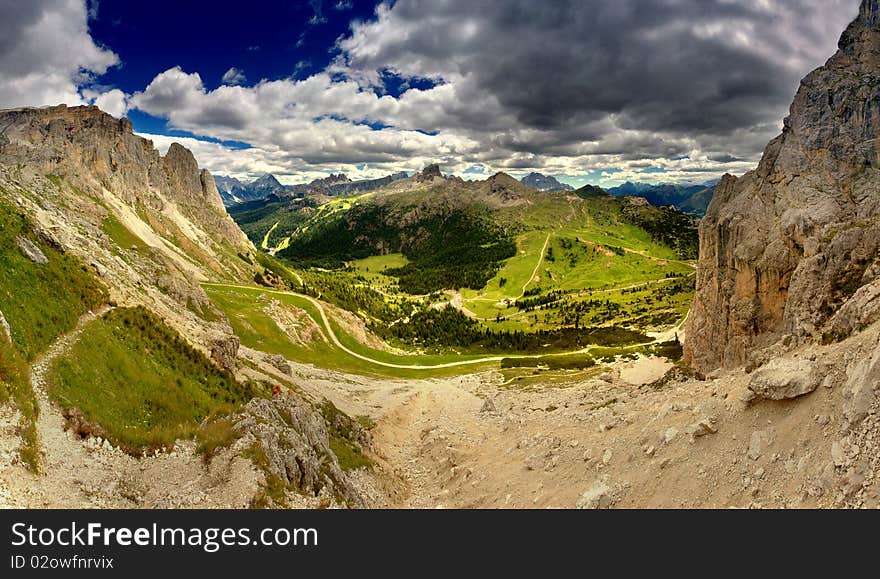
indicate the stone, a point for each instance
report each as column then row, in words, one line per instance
column 702, row 428
column 280, row 363
column 488, row 407
column 786, row 246
column 607, row 456
column 839, row 454
column 597, row 497
column 607, row 378
column 860, row 389
column 224, row 351
column 785, row 379
column 31, row 251
column 4, row 326
column 758, row 443
column 670, row 435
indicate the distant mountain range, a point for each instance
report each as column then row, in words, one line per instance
column 235, row 192
column 544, row 183
column 691, row 199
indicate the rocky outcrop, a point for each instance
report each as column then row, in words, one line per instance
column 787, row 246
column 292, row 445
column 31, row 251
column 429, row 173
column 224, row 351
column 95, row 151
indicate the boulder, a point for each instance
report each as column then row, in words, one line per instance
column 280, row 363
column 598, row 496
column 785, row 379
column 863, row 380
column 31, row 251
column 224, row 351
column 4, row 327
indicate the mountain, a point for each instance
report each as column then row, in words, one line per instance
column 235, row 192
column 692, row 199
column 342, row 186
column 790, row 252
column 230, row 189
column 455, row 234
column 107, row 328
column 544, row 183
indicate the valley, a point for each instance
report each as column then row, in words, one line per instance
column 169, row 339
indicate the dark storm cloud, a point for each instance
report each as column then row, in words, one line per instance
column 681, row 67
column 17, row 17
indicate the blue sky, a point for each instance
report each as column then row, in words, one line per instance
column 590, row 91
column 265, row 39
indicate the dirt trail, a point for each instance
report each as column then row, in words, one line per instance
column 537, row 267
column 609, row 442
column 92, row 474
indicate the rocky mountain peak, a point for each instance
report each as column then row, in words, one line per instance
column 545, row 183
column 429, row 173
column 788, row 246
column 869, row 12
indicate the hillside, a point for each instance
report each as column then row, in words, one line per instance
column 691, row 199
column 110, row 344
column 490, row 265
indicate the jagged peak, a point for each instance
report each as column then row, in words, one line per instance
column 503, row 177
column 869, row 12
column 429, row 173
column 861, row 31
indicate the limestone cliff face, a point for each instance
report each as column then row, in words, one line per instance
column 96, row 151
column 787, row 248
column 152, row 227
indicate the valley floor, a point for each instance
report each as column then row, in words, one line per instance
column 481, row 441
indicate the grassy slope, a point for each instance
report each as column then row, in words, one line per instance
column 258, row 330
column 40, row 303
column 141, row 382
column 607, row 268
column 586, row 238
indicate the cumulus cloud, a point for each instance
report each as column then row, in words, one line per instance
column 46, row 52
column 234, row 76
column 114, row 101
column 679, row 90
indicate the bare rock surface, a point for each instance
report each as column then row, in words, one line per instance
column 785, row 247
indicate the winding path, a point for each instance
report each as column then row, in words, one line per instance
column 537, row 267
column 325, row 320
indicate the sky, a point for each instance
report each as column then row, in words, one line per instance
column 590, row 91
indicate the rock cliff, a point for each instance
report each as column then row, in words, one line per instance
column 151, row 226
column 790, row 250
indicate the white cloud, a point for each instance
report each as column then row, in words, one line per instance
column 46, row 52
column 114, row 101
column 558, row 87
column 234, row 76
